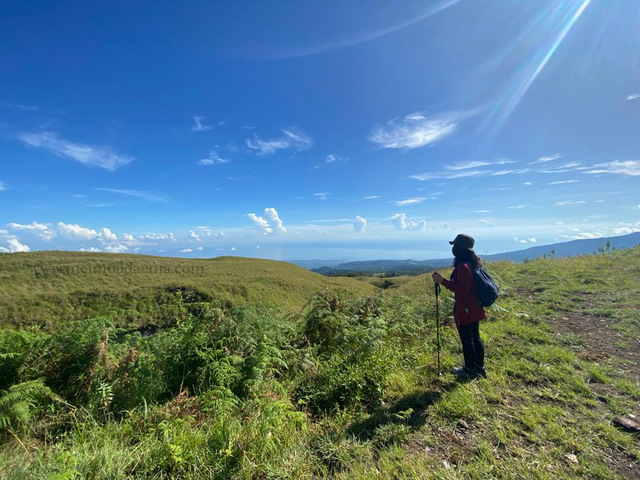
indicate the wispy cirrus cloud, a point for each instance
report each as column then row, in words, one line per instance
column 101, row 157
column 562, row 182
column 546, row 159
column 628, row 167
column 322, row 195
column 198, row 126
column 331, row 158
column 368, row 36
column 416, row 130
column 212, row 159
column 477, row 164
column 633, row 96
column 18, row 106
column 570, row 203
column 410, row 201
column 293, row 139
column 2, row 186
column 149, row 196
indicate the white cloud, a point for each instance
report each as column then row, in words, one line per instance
column 76, row 231
column 158, row 236
column 292, row 139
column 628, row 167
column 487, row 223
column 107, row 235
column 266, row 226
column 2, row 186
column 261, row 222
column 213, row 159
column 476, row 164
column 186, row 250
column 194, row 236
column 547, row 159
column 410, row 201
column 562, row 182
column 101, row 157
column 276, row 223
column 416, row 130
column 198, row 126
column 400, row 222
column 41, row 229
column 371, row 197
column 151, row 197
column 335, row 159
column 624, row 230
column 116, row 248
column 15, row 246
column 359, row 224
column 519, row 206
column 89, row 249
column 322, row 195
column 633, row 96
column 570, row 202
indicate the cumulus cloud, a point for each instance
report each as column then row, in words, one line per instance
column 101, row 157
column 198, row 126
column 76, row 231
column 410, row 201
column 186, row 250
column 359, row 224
column 41, row 229
column 293, row 139
column 194, row 236
column 14, row 246
column 400, row 222
column 107, row 235
column 212, row 159
column 416, row 130
column 271, row 223
column 274, row 218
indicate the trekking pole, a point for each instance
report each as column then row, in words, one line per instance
column 437, row 285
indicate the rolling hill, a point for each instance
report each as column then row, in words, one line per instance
column 49, row 286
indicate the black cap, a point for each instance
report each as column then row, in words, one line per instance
column 463, row 241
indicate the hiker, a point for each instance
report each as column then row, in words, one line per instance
column 467, row 312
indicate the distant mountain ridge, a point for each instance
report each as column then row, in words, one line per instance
column 413, row 267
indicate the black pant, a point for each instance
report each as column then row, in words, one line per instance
column 472, row 347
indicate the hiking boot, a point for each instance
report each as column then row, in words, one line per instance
column 481, row 372
column 464, row 372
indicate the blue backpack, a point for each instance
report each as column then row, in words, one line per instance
column 486, row 287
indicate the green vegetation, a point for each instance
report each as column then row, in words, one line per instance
column 46, row 288
column 343, row 386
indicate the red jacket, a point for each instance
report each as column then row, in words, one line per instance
column 466, row 309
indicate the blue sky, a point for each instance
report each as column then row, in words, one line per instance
column 317, row 130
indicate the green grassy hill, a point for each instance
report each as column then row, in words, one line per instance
column 345, row 387
column 53, row 286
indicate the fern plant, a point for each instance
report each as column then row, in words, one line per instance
column 20, row 404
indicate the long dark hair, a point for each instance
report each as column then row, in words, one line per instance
column 462, row 255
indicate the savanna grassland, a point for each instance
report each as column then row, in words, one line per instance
column 257, row 369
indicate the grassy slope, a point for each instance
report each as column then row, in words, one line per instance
column 46, row 287
column 544, row 412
